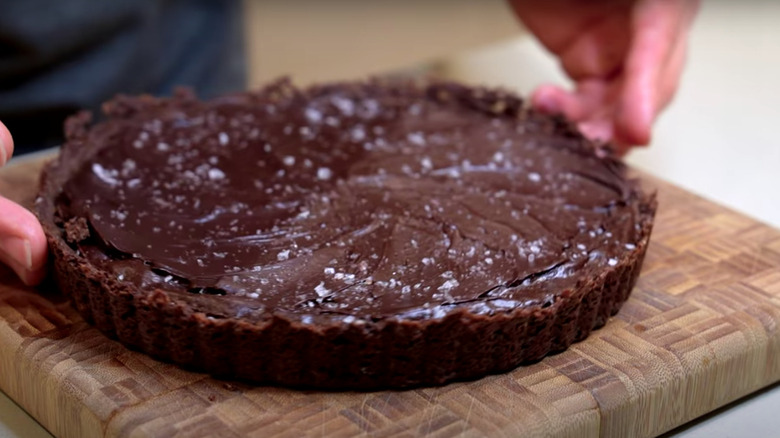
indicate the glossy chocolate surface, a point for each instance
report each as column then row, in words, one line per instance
column 350, row 201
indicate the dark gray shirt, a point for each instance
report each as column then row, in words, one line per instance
column 59, row 56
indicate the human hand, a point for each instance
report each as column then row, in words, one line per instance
column 22, row 242
column 625, row 57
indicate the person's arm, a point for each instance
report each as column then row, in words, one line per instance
column 625, row 57
column 22, row 242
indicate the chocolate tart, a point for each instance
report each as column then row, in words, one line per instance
column 354, row 235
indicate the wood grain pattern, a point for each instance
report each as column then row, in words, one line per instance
column 700, row 330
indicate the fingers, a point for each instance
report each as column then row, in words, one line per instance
column 590, row 106
column 590, row 99
column 672, row 74
column 22, row 242
column 653, row 36
column 552, row 99
column 670, row 79
column 597, row 129
column 627, row 65
column 6, row 145
column 600, row 48
column 652, row 67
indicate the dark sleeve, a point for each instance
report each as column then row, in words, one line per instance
column 59, row 56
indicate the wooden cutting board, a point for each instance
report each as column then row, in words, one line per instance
column 700, row 330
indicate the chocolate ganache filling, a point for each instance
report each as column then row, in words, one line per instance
column 352, row 201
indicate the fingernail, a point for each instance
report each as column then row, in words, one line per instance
column 18, row 249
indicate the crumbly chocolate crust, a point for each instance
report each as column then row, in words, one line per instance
column 517, row 300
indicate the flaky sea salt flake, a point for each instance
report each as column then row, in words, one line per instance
column 216, row 174
column 324, row 173
column 321, row 290
column 448, row 285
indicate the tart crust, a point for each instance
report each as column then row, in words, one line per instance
column 274, row 348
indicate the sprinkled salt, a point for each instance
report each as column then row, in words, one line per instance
column 535, row 177
column 612, row 262
column 223, row 138
column 329, row 271
column 216, row 174
column 313, row 115
column 426, row 163
column 346, row 106
column 357, row 134
column 416, row 138
column 427, row 261
column 321, row 290
column 105, row 175
column 128, row 166
column 306, row 132
column 324, row 173
column 283, row 255
column 118, row 214
column 289, row 160
column 448, row 285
